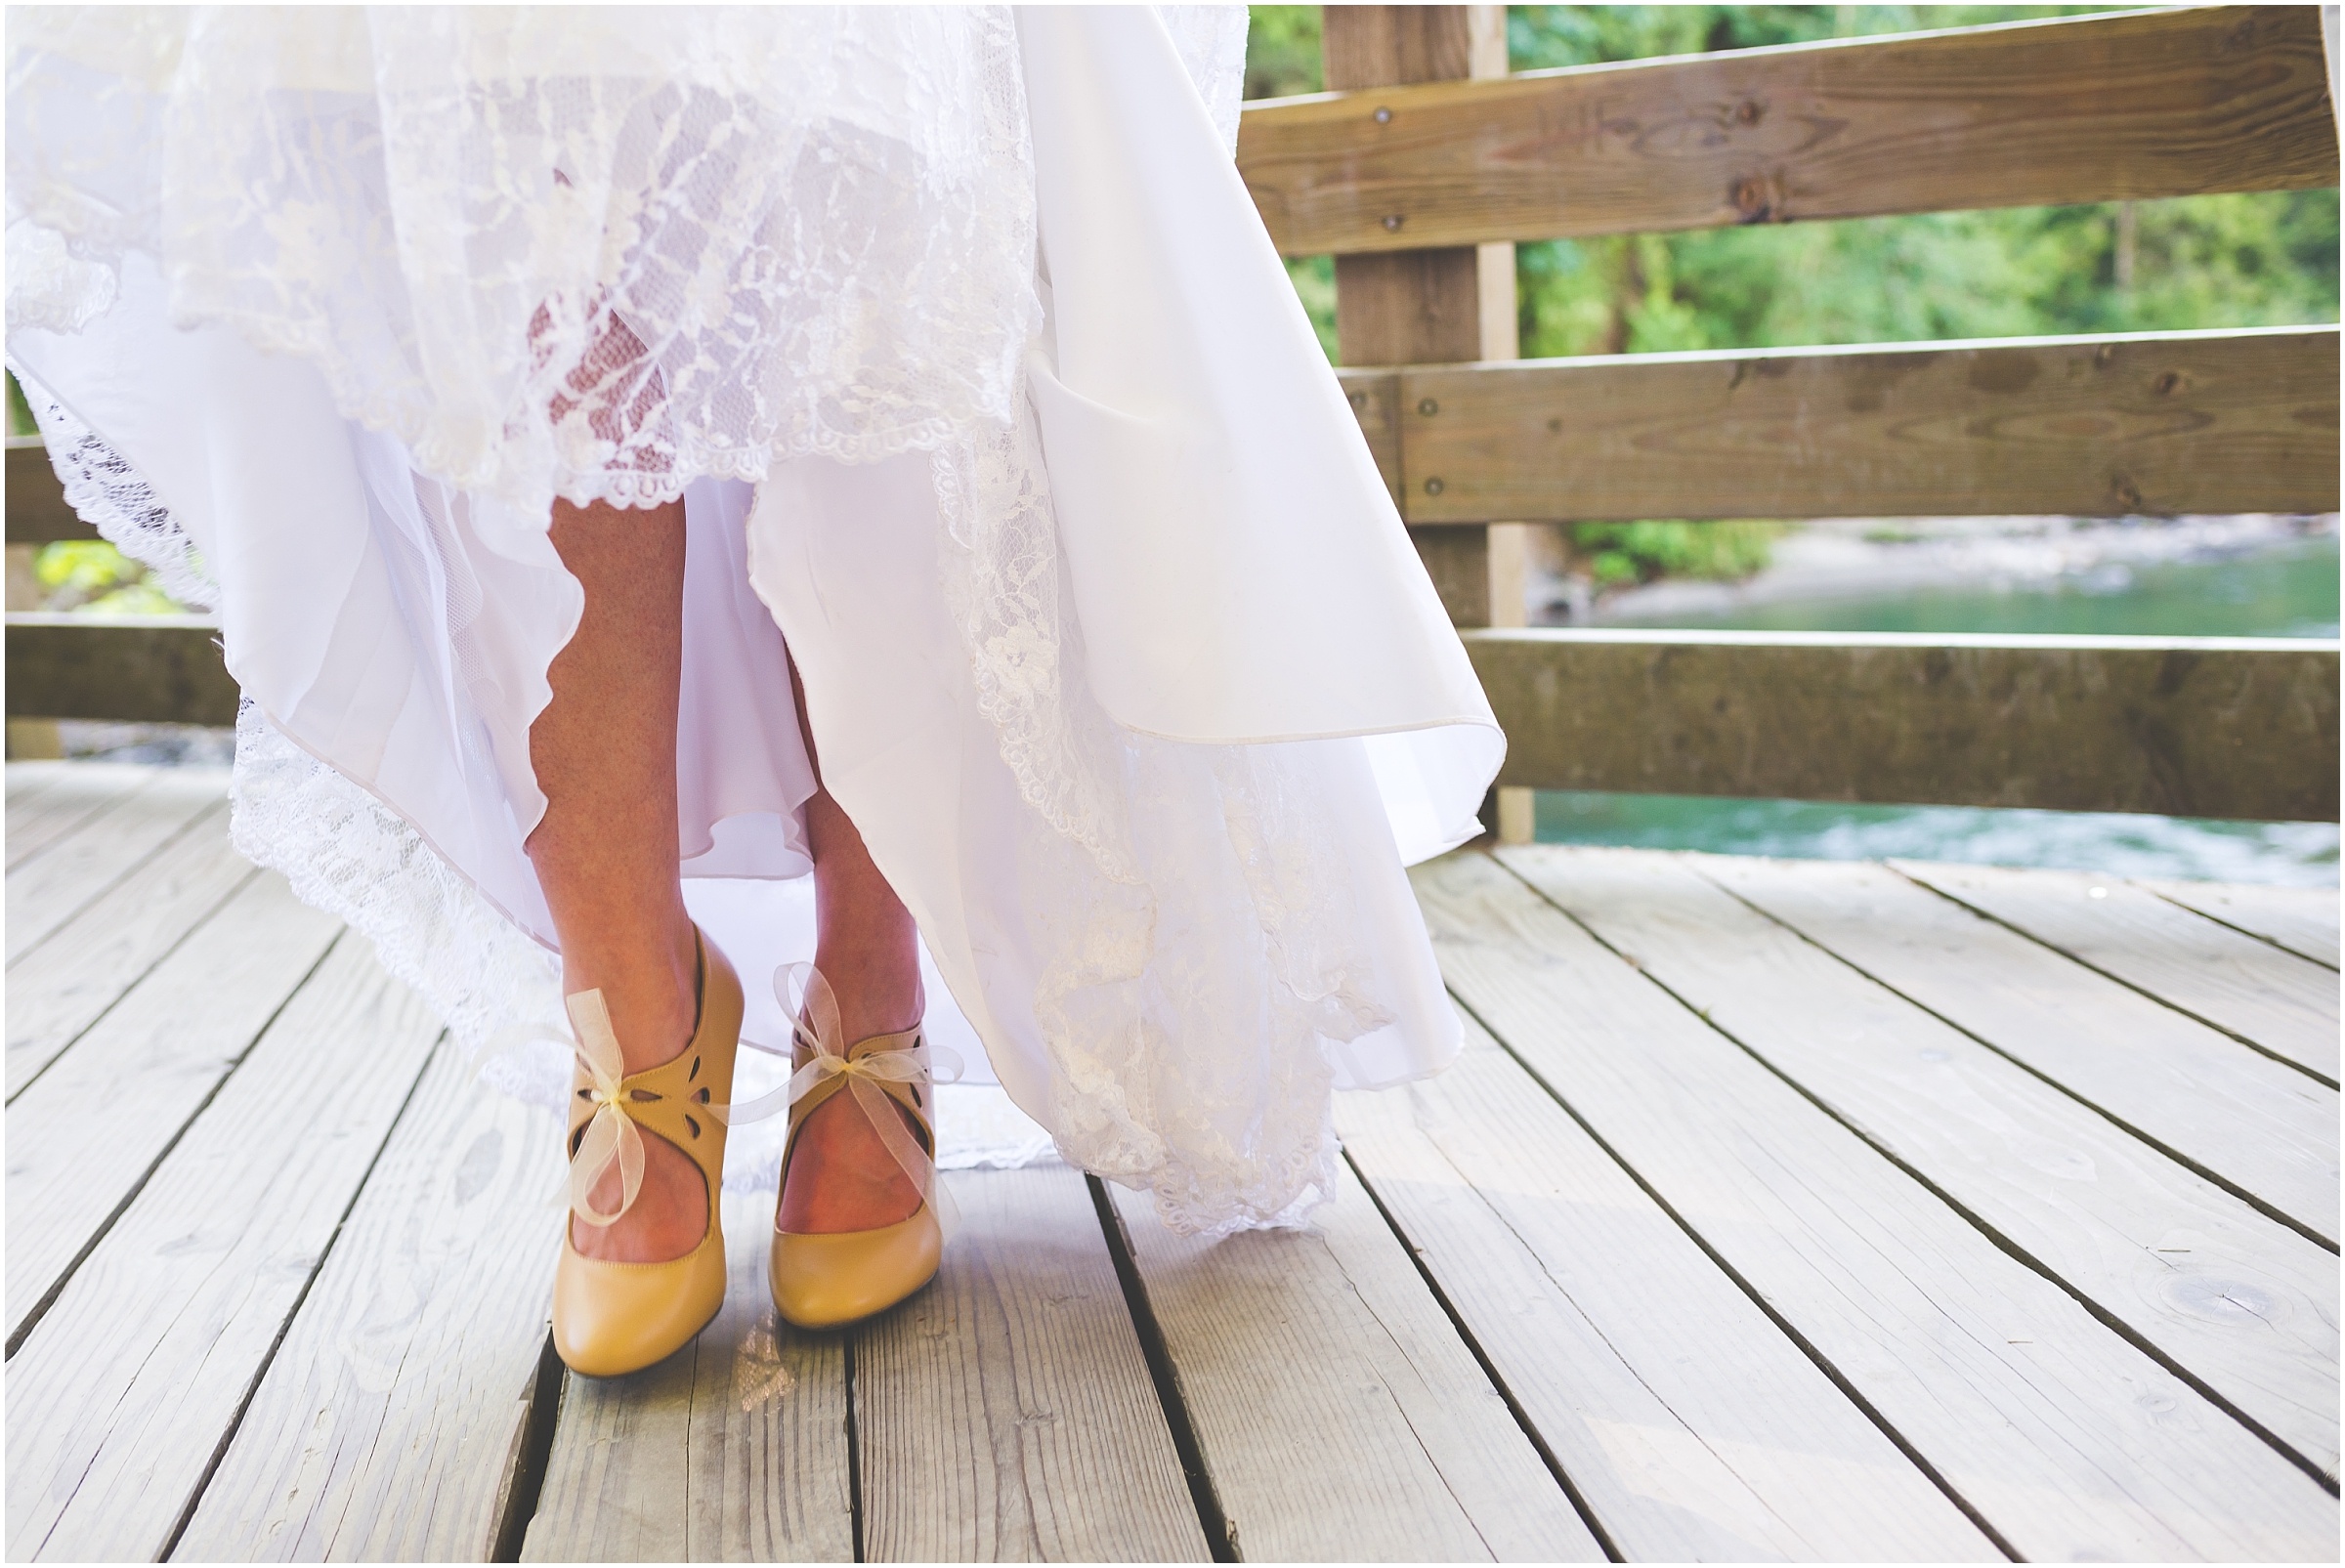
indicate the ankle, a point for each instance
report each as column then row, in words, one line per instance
column 877, row 993
column 653, row 996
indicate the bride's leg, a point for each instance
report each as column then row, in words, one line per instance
column 842, row 1177
column 606, row 852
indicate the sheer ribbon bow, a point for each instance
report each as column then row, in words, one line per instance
column 806, row 999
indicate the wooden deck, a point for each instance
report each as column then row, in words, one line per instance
column 1775, row 1210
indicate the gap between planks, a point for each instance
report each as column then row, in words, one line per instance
column 99, row 956
column 388, row 1426
column 80, row 866
column 2267, row 999
column 190, row 1291
column 1762, row 1023
column 153, row 1062
column 1337, row 1410
column 2258, row 1127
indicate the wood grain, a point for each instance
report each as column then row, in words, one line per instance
column 1690, row 1425
column 1410, row 307
column 121, row 1396
column 2285, row 1004
column 385, row 1427
column 2149, row 423
column 1339, row 1416
column 95, row 959
column 86, row 863
column 1006, row 1414
column 2258, row 1125
column 2231, row 97
column 2301, row 919
column 139, row 670
column 84, row 1135
column 66, row 802
column 2185, row 727
column 2235, row 1299
column 732, row 1449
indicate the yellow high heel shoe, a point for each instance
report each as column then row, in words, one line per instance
column 821, row 1281
column 616, row 1318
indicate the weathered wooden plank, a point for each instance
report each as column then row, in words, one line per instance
column 2158, row 423
column 148, row 669
column 2184, row 727
column 2060, row 1445
column 28, row 778
column 83, row 866
column 2301, row 919
column 2284, row 1005
column 387, row 1423
column 83, row 1136
column 1690, row 1425
column 93, row 959
column 120, row 1397
column 2241, row 1302
column 2112, row 109
column 1006, row 1414
column 87, row 788
column 732, row 1449
column 1338, row 1414
column 37, row 513
column 2260, row 1128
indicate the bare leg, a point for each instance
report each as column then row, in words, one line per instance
column 842, row 1177
column 606, row 852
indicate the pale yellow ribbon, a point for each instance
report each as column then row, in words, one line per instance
column 610, row 1135
column 807, row 1000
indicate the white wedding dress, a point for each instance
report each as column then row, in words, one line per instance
column 958, row 333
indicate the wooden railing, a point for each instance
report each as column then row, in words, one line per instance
column 1404, row 180
column 2021, row 114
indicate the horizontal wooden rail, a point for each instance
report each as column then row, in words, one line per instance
column 2200, row 727
column 2103, row 109
column 37, row 513
column 2154, row 424
column 156, row 669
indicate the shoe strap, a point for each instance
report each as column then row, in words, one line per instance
column 883, row 1073
column 681, row 1099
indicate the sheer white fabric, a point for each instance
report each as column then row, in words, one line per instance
column 1111, row 641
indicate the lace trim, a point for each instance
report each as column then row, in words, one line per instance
column 109, row 492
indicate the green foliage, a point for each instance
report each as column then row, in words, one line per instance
column 1282, row 51
column 19, row 412
column 92, row 574
column 1623, row 553
column 1314, row 281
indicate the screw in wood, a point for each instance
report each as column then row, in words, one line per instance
column 1383, row 116
column 1433, row 487
column 1428, row 408
column 1392, row 224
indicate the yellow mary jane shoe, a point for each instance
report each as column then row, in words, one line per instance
column 616, row 1318
column 822, row 1281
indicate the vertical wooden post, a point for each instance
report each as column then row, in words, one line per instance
column 1450, row 304
column 1412, row 307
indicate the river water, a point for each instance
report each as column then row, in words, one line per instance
column 2286, row 590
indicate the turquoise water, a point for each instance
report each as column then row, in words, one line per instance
column 2288, row 592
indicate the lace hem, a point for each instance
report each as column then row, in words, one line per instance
column 108, row 493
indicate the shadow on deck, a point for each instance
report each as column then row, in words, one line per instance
column 1828, row 1211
